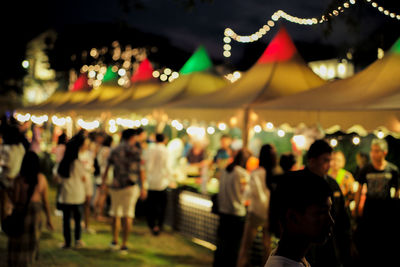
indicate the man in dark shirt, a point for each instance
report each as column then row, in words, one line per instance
column 377, row 225
column 128, row 184
column 338, row 250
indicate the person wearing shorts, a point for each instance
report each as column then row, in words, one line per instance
column 125, row 188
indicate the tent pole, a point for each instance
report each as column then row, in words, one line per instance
column 245, row 133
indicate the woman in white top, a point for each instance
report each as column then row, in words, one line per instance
column 232, row 210
column 72, row 193
column 259, row 196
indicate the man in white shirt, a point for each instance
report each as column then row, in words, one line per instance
column 159, row 177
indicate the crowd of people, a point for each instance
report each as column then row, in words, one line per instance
column 320, row 214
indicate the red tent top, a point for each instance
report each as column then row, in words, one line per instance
column 281, row 48
column 144, row 72
column 81, row 83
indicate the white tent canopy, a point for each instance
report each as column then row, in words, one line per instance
column 370, row 98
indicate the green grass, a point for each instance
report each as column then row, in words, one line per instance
column 168, row 249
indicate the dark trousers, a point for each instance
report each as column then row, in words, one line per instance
column 229, row 236
column 378, row 233
column 155, row 208
column 76, row 211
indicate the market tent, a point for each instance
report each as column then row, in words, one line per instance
column 196, row 78
column 143, row 73
column 78, row 91
column 81, row 84
column 105, row 97
column 280, row 71
column 370, row 98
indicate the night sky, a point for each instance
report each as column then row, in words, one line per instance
column 201, row 24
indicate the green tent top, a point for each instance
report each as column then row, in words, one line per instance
column 110, row 75
column 199, row 61
column 396, row 47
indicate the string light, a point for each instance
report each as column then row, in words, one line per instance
column 58, row 121
column 233, row 77
column 334, row 142
column 23, row 118
column 257, row 129
column 88, row 125
column 39, row 119
column 280, row 14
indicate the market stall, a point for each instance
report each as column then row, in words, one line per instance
column 279, row 72
column 369, row 99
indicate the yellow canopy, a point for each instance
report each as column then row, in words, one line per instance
column 370, row 98
column 279, row 72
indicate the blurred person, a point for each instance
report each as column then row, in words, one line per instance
column 302, row 202
column 197, row 153
column 159, row 177
column 258, row 209
column 30, row 193
column 343, row 177
column 12, row 153
column 287, row 162
column 362, row 160
column 86, row 156
column 59, row 149
column 141, row 138
column 142, row 145
column 377, row 231
column 127, row 186
column 36, row 138
column 196, row 158
column 339, row 250
column 224, row 153
column 232, row 211
column 101, row 195
column 58, row 152
column 72, row 193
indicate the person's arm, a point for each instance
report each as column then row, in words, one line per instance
column 104, row 177
column 397, row 185
column 45, row 201
column 361, row 179
column 144, row 186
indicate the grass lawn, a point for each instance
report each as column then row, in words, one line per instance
column 168, row 249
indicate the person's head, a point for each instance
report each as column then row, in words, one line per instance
column 12, row 135
column 225, row 141
column 240, row 159
column 319, row 157
column 62, row 139
column 302, row 203
column 160, row 138
column 72, row 149
column 337, row 161
column 98, row 138
column 141, row 135
column 267, row 157
column 197, row 145
column 287, row 161
column 362, row 159
column 30, row 168
column 107, row 140
column 129, row 136
column 379, row 150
